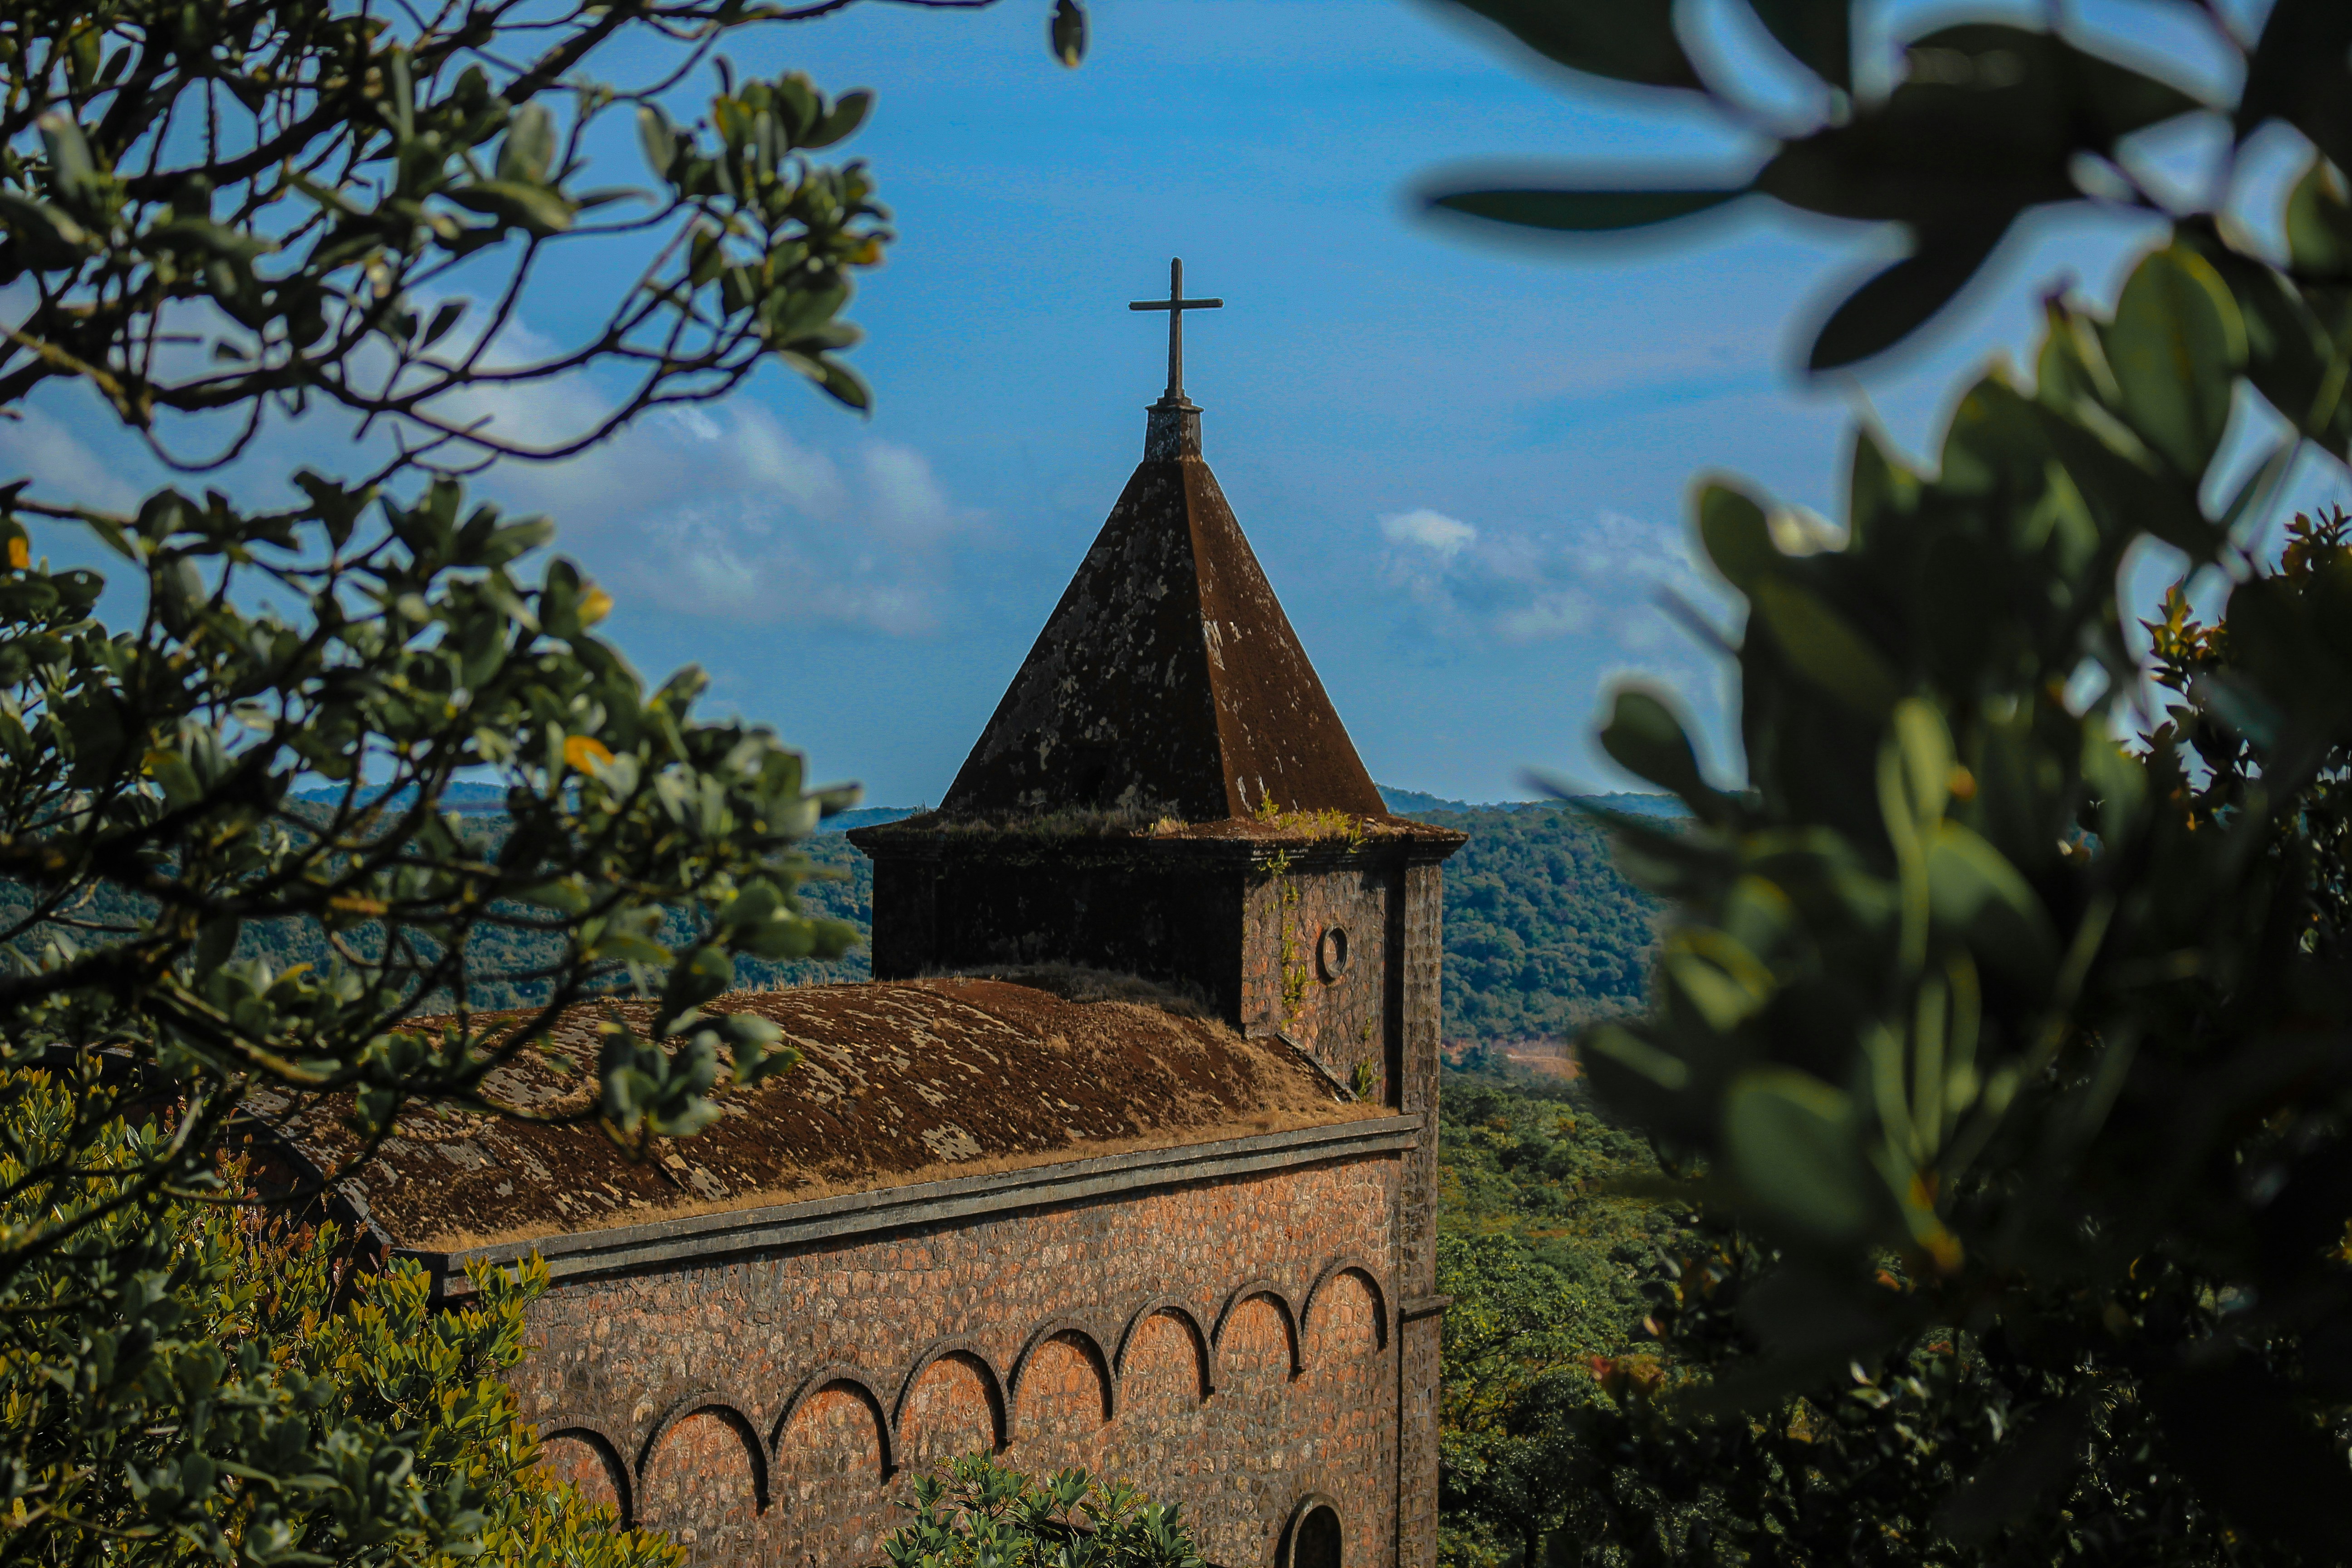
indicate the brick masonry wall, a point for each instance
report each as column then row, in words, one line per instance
column 1294, row 924
column 1417, row 942
column 1230, row 1345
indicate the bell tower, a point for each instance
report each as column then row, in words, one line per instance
column 1166, row 790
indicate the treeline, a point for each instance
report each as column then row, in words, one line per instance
column 501, row 961
column 1541, row 931
column 1546, row 1257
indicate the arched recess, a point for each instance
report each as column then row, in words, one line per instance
column 848, row 1382
column 1315, row 1536
column 1342, row 1269
column 686, row 1474
column 1079, row 1336
column 937, row 1400
column 1265, row 1290
column 831, row 1446
column 592, row 1462
column 1169, row 1307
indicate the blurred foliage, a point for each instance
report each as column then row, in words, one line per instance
column 2005, row 1009
column 1542, row 932
column 976, row 1513
column 217, row 219
column 246, row 1393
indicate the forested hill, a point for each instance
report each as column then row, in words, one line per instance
column 1541, row 931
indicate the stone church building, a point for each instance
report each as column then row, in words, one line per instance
column 1125, row 1159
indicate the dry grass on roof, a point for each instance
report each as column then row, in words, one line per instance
column 900, row 1081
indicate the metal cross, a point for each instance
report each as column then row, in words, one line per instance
column 1175, row 305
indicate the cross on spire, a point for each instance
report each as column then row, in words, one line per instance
column 1175, row 305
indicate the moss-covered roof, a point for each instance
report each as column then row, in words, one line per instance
column 899, row 1082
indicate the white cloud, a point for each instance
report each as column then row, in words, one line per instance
column 37, row 446
column 718, row 511
column 1433, row 531
column 1601, row 578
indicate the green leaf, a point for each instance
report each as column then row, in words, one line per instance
column 71, row 169
column 446, row 316
column 700, row 973
column 2319, row 224
column 529, row 147
column 1649, row 742
column 1975, row 892
column 844, row 384
column 1624, row 40
column 2176, row 344
column 658, row 138
column 1879, row 486
column 534, row 208
column 1903, row 298
column 1716, row 976
column 1926, row 745
column 50, row 239
column 2288, row 354
column 1985, row 124
column 850, row 110
column 1794, row 1145
column 1621, row 1044
column 1066, row 33
column 1737, row 535
column 1825, row 648
column 628, row 947
column 1584, row 211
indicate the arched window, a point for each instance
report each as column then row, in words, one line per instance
column 1314, row 1538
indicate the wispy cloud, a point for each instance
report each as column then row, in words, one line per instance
column 37, row 446
column 1602, row 577
column 720, row 512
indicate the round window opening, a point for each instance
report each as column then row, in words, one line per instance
column 1315, row 1544
column 1331, row 953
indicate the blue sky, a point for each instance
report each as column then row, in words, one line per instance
column 1463, row 462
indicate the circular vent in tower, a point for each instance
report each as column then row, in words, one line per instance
column 1331, row 953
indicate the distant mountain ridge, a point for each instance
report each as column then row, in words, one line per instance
column 475, row 799
column 1542, row 932
column 468, row 799
column 1413, row 802
column 867, row 816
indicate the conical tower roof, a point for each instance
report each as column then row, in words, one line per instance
column 1168, row 680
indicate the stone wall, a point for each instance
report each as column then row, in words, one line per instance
column 1230, row 1344
column 1315, row 964
column 1171, row 916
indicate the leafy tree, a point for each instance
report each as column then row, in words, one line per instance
column 2005, row 1007
column 1545, row 1260
column 217, row 217
column 1542, row 932
column 975, row 1513
column 243, row 1392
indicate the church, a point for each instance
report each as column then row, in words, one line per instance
column 1125, row 1158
